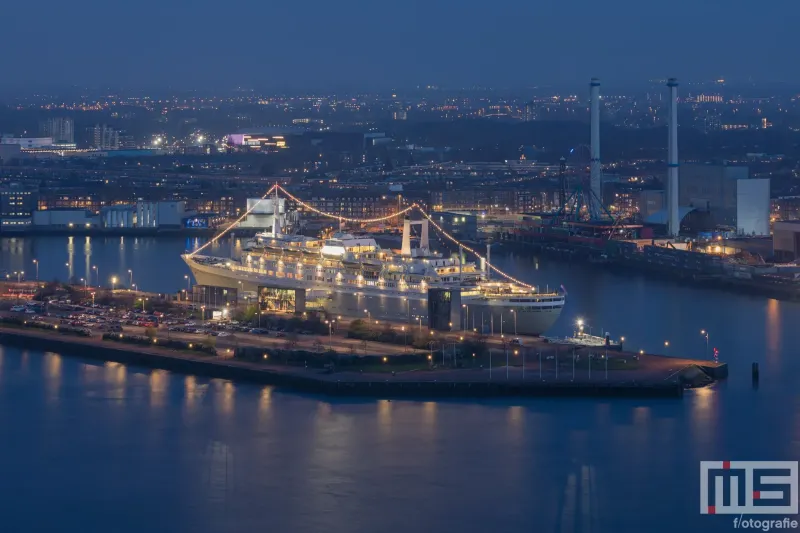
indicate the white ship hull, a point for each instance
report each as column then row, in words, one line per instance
column 480, row 314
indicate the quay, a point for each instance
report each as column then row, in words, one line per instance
column 652, row 376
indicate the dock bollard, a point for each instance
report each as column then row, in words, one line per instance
column 755, row 371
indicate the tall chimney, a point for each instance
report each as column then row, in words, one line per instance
column 674, row 226
column 594, row 181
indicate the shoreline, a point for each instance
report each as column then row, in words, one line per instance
column 464, row 383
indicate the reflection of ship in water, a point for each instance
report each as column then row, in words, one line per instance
column 351, row 274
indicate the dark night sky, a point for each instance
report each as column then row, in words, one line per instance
column 383, row 44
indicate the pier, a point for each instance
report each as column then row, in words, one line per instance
column 649, row 375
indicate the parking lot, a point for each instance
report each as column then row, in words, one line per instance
column 225, row 335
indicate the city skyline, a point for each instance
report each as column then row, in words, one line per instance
column 352, row 44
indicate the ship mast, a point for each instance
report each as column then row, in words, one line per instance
column 276, row 223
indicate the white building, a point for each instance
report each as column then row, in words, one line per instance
column 28, row 142
column 262, row 212
column 105, row 137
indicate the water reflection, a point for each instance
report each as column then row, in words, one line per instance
column 385, row 417
column 773, row 331
column 158, row 387
column 116, row 373
column 190, row 391
column 264, row 401
column 516, row 421
column 52, row 373
column 225, row 392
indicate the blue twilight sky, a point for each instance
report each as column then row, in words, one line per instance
column 384, row 44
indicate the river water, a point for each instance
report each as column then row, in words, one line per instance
column 92, row 447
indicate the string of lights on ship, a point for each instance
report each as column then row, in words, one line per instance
column 313, row 209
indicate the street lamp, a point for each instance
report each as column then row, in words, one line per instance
column 369, row 315
column 130, row 273
column 35, row 262
column 580, row 326
column 113, row 283
column 94, row 267
column 188, row 288
column 466, row 320
column 704, row 333
column 666, row 346
column 330, row 333
column 69, row 269
column 515, row 322
column 84, row 284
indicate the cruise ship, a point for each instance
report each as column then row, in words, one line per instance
column 352, row 275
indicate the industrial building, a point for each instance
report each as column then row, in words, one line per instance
column 64, row 219
column 728, row 195
column 786, row 240
column 118, row 216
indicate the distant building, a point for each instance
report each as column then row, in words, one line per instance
column 28, row 142
column 64, row 219
column 118, row 216
column 61, row 129
column 727, row 194
column 529, row 112
column 262, row 212
column 70, row 199
column 17, row 205
column 786, row 240
column 460, row 224
column 352, row 204
column 126, row 142
column 105, row 138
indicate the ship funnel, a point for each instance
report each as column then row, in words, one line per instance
column 405, row 249
column 424, row 242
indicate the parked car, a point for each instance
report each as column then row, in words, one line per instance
column 18, row 309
